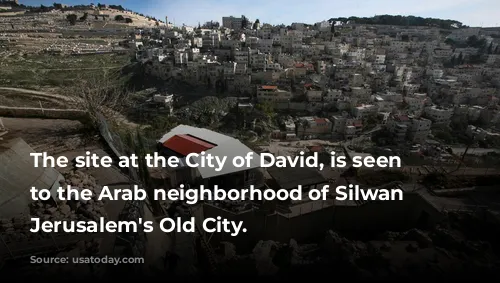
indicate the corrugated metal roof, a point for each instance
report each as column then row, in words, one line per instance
column 204, row 134
column 316, row 148
column 186, row 144
column 225, row 147
column 269, row 87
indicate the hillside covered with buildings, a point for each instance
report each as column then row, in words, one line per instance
column 113, row 81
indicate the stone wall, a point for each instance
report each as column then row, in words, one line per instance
column 23, row 112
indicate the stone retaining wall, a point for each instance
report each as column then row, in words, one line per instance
column 24, row 112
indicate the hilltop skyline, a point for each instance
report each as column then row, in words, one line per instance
column 469, row 12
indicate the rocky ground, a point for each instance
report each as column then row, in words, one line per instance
column 17, row 229
column 460, row 247
column 51, row 136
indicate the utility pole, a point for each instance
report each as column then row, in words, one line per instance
column 41, row 107
column 466, row 150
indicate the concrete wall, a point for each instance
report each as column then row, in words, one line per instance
column 302, row 227
column 370, row 217
column 276, row 227
column 250, row 220
column 302, row 106
column 22, row 112
column 386, row 215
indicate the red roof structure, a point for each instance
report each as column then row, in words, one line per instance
column 316, row 148
column 402, row 118
column 269, row 87
column 320, row 120
column 186, row 144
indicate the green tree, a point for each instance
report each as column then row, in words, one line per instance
column 84, row 17
column 453, row 61
column 129, row 21
column 244, row 22
column 267, row 108
column 256, row 24
column 402, row 21
column 71, row 18
column 490, row 48
column 119, row 18
column 472, row 40
column 460, row 59
column 449, row 41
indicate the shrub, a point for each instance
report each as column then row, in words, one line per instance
column 84, row 17
column 72, row 19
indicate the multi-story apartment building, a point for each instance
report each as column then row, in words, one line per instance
column 419, row 129
column 345, row 127
column 268, row 93
column 364, row 110
column 232, row 22
column 258, row 60
column 398, row 125
column 313, row 126
column 313, row 93
column 242, row 56
column 438, row 115
column 332, row 95
column 211, row 40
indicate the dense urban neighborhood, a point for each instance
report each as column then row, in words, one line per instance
column 112, row 81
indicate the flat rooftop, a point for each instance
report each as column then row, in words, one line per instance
column 291, row 177
column 308, row 207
